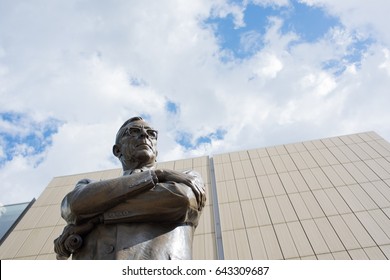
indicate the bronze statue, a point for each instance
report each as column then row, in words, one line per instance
column 147, row 213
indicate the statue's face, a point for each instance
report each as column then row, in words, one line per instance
column 139, row 143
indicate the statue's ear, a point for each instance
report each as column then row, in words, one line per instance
column 116, row 151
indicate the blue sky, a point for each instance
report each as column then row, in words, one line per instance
column 310, row 23
column 211, row 76
column 27, row 138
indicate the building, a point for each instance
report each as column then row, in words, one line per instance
column 10, row 215
column 321, row 199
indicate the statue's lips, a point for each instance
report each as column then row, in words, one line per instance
column 144, row 145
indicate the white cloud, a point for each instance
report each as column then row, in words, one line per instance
column 320, row 83
column 222, row 8
column 369, row 17
column 3, row 210
column 250, row 40
column 269, row 65
column 279, row 3
column 386, row 63
column 77, row 62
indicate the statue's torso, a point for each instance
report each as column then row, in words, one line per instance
column 137, row 241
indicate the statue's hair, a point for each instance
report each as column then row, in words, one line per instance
column 122, row 129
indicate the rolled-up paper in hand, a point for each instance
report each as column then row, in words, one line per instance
column 73, row 242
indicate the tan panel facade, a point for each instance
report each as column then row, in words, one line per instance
column 321, row 199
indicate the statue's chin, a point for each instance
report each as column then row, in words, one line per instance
column 141, row 158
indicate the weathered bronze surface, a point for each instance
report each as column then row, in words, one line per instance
column 147, row 213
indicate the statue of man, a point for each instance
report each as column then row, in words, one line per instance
column 147, row 213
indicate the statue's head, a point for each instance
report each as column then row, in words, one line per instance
column 136, row 144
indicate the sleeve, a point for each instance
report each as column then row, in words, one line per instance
column 92, row 198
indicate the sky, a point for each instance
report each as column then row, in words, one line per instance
column 213, row 76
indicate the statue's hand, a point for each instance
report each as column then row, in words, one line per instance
column 71, row 238
column 193, row 182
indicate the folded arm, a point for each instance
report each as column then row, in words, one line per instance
column 89, row 198
column 167, row 202
column 149, row 196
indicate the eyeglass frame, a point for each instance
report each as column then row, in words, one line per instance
column 148, row 131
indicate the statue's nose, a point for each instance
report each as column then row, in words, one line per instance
column 143, row 133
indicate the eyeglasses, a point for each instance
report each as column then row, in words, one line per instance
column 134, row 131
